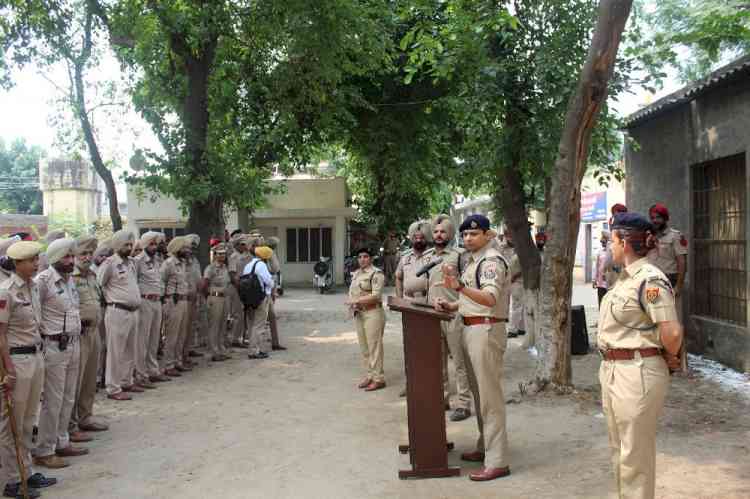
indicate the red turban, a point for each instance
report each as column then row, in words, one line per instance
column 618, row 208
column 659, row 209
column 213, row 242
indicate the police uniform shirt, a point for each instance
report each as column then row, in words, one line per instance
column 88, row 295
column 436, row 290
column 4, row 275
column 147, row 270
column 408, row 266
column 274, row 266
column 367, row 282
column 217, row 276
column 238, row 261
column 509, row 253
column 174, row 276
column 493, row 277
column 623, row 323
column 670, row 245
column 390, row 246
column 118, row 281
column 193, row 269
column 59, row 300
column 21, row 311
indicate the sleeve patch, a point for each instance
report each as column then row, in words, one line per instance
column 652, row 294
column 683, row 241
column 489, row 270
column 3, row 304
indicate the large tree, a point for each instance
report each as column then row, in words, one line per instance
column 19, row 178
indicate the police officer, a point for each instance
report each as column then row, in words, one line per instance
column 192, row 325
column 119, row 283
column 274, row 266
column 443, row 232
column 365, row 302
column 216, row 280
column 516, row 324
column 236, row 264
column 671, row 249
column 391, row 256
column 174, row 278
column 151, row 288
column 408, row 285
column 483, row 305
column 89, row 298
column 639, row 338
column 20, row 316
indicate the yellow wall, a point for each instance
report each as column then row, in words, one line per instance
column 306, row 193
column 78, row 204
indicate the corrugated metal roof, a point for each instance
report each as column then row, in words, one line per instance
column 736, row 69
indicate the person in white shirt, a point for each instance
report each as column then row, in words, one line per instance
column 260, row 334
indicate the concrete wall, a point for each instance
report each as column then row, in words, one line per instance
column 715, row 125
column 300, row 193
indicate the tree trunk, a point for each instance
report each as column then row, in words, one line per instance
column 95, row 155
column 206, row 218
column 570, row 167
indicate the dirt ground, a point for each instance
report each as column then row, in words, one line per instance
column 295, row 426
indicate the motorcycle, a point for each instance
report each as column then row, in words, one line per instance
column 350, row 266
column 323, row 274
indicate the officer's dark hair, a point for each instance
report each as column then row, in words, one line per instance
column 641, row 241
column 235, row 231
column 7, row 264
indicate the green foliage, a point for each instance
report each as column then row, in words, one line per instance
column 19, row 178
column 692, row 35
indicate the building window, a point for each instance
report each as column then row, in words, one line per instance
column 308, row 244
column 720, row 240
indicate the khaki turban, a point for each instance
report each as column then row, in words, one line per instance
column 193, row 239
column 148, row 237
column 121, row 238
column 54, row 235
column 161, row 237
column 422, row 226
column 7, row 243
column 59, row 249
column 263, row 252
column 273, row 241
column 137, row 245
column 102, row 250
column 219, row 248
column 85, row 244
column 446, row 223
column 176, row 245
column 23, row 250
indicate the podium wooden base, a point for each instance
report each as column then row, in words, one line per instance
column 429, row 473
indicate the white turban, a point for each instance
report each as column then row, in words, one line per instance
column 54, row 235
column 176, row 244
column 446, row 223
column 148, row 237
column 60, row 248
column 422, row 226
column 86, row 243
column 193, row 239
column 121, row 238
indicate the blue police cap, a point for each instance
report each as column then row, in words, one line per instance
column 475, row 222
column 632, row 221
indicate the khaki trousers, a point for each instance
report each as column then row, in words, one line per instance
column 175, row 315
column 484, row 346
column 240, row 323
column 273, row 324
column 59, row 395
column 370, row 326
column 188, row 335
column 26, row 401
column 452, row 344
column 217, row 325
column 121, row 325
column 259, row 337
column 633, row 393
column 91, row 345
column 147, row 338
column 517, row 314
column 391, row 262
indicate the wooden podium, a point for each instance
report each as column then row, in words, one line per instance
column 423, row 356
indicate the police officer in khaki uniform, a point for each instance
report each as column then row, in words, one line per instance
column 443, row 232
column 61, row 331
column 21, row 349
column 89, row 299
column 236, row 264
column 671, row 249
column 151, row 287
column 174, row 277
column 119, row 283
column 216, row 280
column 639, row 338
column 274, row 266
column 516, row 320
column 192, row 324
column 391, row 256
column 365, row 302
column 483, row 306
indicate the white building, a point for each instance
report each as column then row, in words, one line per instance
column 71, row 189
column 310, row 218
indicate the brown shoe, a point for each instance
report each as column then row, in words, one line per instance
column 119, row 396
column 375, row 385
column 80, row 437
column 146, row 384
column 93, row 426
column 474, row 457
column 133, row 389
column 173, row 373
column 52, row 461
column 364, row 383
column 71, row 451
column 159, row 378
column 486, row 474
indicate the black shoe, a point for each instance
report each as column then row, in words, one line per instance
column 39, row 481
column 259, row 355
column 278, row 347
column 521, row 332
column 193, row 353
column 14, row 490
column 512, row 334
column 460, row 414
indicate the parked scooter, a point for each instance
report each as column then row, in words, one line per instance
column 323, row 274
column 350, row 266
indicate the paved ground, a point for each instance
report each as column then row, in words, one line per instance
column 294, row 426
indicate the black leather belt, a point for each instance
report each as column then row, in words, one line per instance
column 25, row 350
column 122, row 307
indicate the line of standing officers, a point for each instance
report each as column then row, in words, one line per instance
column 103, row 308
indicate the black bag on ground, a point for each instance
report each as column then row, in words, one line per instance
column 579, row 338
column 251, row 289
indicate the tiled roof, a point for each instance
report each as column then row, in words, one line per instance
column 737, row 69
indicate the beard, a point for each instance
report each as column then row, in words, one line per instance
column 64, row 268
column 150, row 252
column 440, row 243
column 420, row 245
column 83, row 265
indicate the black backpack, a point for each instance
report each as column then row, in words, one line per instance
column 251, row 289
